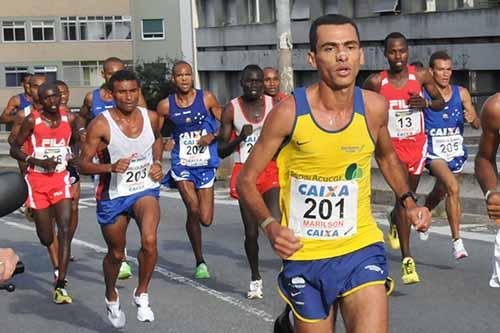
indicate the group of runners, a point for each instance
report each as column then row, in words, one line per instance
column 302, row 167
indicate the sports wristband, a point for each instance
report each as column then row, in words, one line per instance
column 487, row 194
column 27, row 158
column 81, row 129
column 266, row 222
column 405, row 196
column 158, row 162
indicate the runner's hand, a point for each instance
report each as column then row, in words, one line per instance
column 120, row 166
column 74, row 162
column 469, row 117
column 155, row 172
column 246, row 131
column 493, row 205
column 283, row 240
column 49, row 164
column 169, row 144
column 419, row 217
column 206, row 139
column 416, row 101
column 8, row 259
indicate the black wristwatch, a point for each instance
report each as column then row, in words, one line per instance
column 405, row 196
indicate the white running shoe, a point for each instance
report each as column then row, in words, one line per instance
column 115, row 313
column 423, row 235
column 459, row 251
column 144, row 312
column 255, row 290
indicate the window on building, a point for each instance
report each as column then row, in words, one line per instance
column 42, row 31
column 94, row 28
column 85, row 73
column 49, row 71
column 13, row 76
column 153, row 29
column 14, row 31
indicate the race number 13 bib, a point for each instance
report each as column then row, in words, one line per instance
column 405, row 123
column 448, row 147
column 323, row 210
column 191, row 154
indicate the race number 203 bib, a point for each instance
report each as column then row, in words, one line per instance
column 448, row 147
column 323, row 210
column 136, row 178
column 191, row 154
column 405, row 123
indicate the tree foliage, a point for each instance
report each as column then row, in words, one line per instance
column 155, row 80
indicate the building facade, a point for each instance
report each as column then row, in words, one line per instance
column 68, row 40
column 234, row 33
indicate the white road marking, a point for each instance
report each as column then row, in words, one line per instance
column 168, row 274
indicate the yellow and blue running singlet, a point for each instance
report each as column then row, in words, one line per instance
column 325, row 184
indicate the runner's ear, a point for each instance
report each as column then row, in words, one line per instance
column 13, row 192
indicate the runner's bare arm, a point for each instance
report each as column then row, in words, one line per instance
column 74, row 121
column 277, row 127
column 156, row 172
column 213, row 105
column 25, row 129
column 388, row 161
column 470, row 114
column 226, row 146
column 97, row 133
column 426, row 80
column 7, row 114
column 372, row 82
column 485, row 164
column 18, row 120
column 85, row 111
column 163, row 110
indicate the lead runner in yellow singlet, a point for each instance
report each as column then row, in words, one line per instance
column 332, row 248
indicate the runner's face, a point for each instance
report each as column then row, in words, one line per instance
column 110, row 69
column 26, row 85
column 271, row 82
column 338, row 55
column 252, row 84
column 35, row 83
column 441, row 71
column 183, row 78
column 64, row 91
column 126, row 95
column 397, row 54
column 51, row 100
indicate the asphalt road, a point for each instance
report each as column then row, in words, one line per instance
column 452, row 297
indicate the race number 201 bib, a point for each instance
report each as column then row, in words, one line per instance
column 404, row 123
column 191, row 154
column 323, row 210
column 136, row 178
column 247, row 145
column 448, row 147
column 59, row 154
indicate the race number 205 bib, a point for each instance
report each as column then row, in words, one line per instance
column 323, row 210
column 448, row 147
column 405, row 123
column 191, row 154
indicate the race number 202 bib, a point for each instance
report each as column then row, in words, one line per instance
column 136, row 178
column 448, row 147
column 323, row 210
column 191, row 154
column 59, row 154
column 247, row 145
column 404, row 123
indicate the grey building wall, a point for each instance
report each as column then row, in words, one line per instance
column 170, row 46
column 471, row 36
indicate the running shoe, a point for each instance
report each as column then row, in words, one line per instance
column 255, row 290
column 144, row 312
column 423, row 235
column 115, row 313
column 61, row 296
column 392, row 236
column 459, row 251
column 410, row 274
column 282, row 323
column 125, row 271
column 201, row 271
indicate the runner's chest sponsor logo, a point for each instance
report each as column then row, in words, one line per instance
column 444, row 131
column 53, row 142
